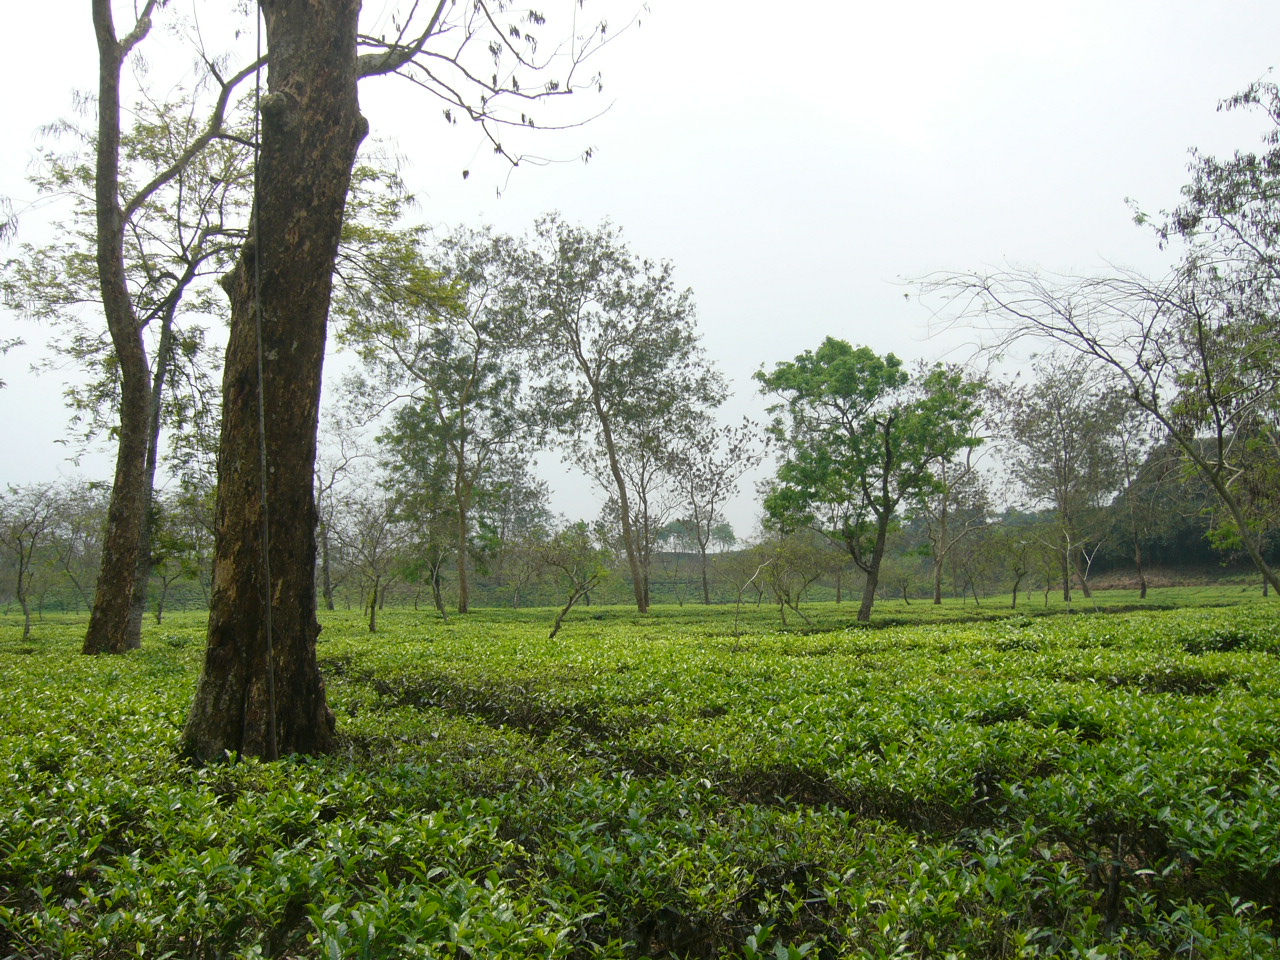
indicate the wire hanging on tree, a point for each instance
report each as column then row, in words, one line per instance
column 273, row 752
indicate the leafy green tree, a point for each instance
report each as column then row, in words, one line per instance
column 183, row 541
column 419, row 479
column 623, row 372
column 512, row 511
column 860, row 436
column 441, row 341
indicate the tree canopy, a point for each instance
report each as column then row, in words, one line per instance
column 859, row 435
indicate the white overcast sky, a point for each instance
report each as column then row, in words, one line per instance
column 794, row 161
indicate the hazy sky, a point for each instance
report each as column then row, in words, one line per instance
column 795, row 162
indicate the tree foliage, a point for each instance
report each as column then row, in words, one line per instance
column 859, row 435
column 622, row 371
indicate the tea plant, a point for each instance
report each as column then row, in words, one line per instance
column 1100, row 785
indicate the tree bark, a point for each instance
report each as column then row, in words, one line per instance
column 311, row 128
column 873, row 568
column 464, row 585
column 639, row 580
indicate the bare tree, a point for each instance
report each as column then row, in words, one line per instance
column 1173, row 348
column 372, row 536
column 956, row 508
column 1061, row 434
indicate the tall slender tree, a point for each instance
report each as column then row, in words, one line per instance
column 158, row 209
column 618, row 348
column 440, row 339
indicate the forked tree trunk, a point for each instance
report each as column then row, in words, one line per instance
column 311, row 128
column 1014, row 604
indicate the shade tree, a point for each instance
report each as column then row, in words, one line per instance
column 439, row 346
column 860, row 437
column 156, row 210
column 622, row 369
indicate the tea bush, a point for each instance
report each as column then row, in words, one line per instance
column 1099, row 785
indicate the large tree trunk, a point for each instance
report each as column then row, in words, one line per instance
column 261, row 692
column 115, row 624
